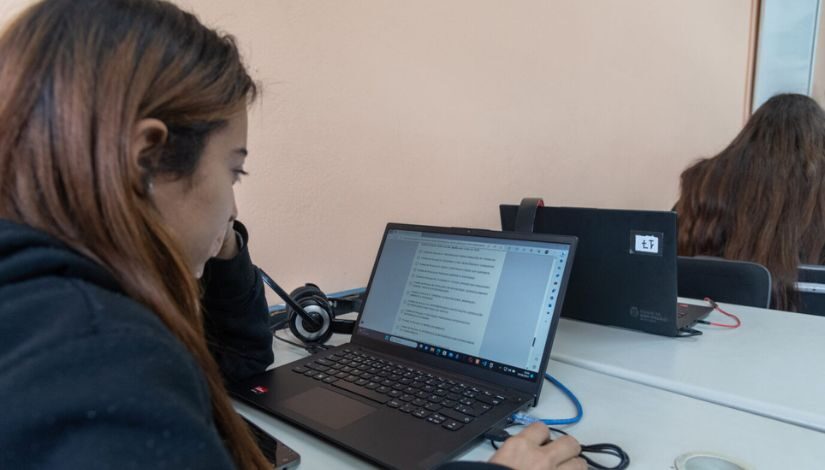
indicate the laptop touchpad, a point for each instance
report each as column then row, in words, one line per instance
column 328, row 408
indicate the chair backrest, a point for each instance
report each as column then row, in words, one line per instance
column 735, row 282
column 811, row 289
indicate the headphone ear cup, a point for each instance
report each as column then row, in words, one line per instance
column 317, row 306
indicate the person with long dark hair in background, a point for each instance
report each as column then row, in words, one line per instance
column 127, row 294
column 762, row 199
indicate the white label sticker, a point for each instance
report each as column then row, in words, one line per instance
column 647, row 244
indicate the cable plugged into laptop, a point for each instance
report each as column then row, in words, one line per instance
column 716, row 307
column 497, row 435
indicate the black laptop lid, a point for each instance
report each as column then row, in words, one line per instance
column 484, row 304
column 625, row 270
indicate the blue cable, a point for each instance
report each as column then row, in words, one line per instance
column 521, row 418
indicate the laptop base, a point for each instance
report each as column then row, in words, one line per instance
column 375, row 431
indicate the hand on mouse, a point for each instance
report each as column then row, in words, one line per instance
column 532, row 449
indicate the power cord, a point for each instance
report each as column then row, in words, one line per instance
column 603, row 448
column 501, row 434
column 718, row 308
column 687, row 332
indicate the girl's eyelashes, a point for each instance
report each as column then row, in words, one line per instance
column 239, row 172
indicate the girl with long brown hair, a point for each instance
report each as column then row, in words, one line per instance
column 122, row 127
column 122, row 133
column 762, row 198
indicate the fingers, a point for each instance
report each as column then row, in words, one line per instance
column 536, row 434
column 573, row 464
column 563, row 449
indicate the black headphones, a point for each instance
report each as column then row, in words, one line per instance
column 310, row 314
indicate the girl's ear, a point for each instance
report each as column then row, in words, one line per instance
column 147, row 136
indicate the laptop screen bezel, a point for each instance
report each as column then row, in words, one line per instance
column 530, row 387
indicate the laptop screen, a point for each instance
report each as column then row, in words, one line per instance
column 488, row 302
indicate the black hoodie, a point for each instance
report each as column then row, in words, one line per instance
column 89, row 378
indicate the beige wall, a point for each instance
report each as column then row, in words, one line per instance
column 435, row 112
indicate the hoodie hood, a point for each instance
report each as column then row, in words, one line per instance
column 27, row 254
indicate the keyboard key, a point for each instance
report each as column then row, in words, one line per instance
column 394, row 393
column 452, row 425
column 383, row 389
column 460, row 417
column 408, row 408
column 421, row 413
column 406, row 397
column 492, row 401
column 324, row 362
column 331, row 379
column 362, row 382
column 372, row 385
column 481, row 408
column 351, row 378
column 317, row 367
column 343, row 384
column 395, row 403
column 299, row 369
column 449, row 403
column 436, row 418
column 433, row 406
column 467, row 410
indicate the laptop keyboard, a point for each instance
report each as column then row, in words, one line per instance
column 443, row 402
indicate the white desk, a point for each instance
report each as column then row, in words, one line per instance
column 653, row 426
column 771, row 366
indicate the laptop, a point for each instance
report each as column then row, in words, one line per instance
column 453, row 337
column 625, row 272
